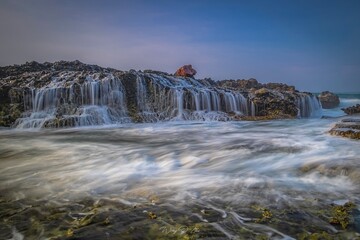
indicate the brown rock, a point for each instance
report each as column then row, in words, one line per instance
column 279, row 87
column 352, row 110
column 348, row 127
column 185, row 71
column 329, row 100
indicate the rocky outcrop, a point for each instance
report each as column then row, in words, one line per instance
column 186, row 71
column 274, row 104
column 274, row 100
column 352, row 110
column 279, row 87
column 347, row 127
column 329, row 100
column 65, row 94
column 240, row 85
column 252, row 83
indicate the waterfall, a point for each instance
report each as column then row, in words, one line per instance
column 101, row 99
column 176, row 98
column 180, row 103
column 253, row 109
column 63, row 103
column 309, row 106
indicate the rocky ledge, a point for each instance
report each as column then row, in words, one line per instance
column 352, row 110
column 347, row 127
column 65, row 94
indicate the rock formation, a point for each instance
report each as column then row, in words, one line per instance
column 347, row 127
column 352, row 110
column 329, row 100
column 65, row 94
column 186, row 71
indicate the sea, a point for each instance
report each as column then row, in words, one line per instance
column 279, row 179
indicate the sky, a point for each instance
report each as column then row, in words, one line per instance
column 311, row 44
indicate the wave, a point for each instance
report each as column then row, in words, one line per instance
column 346, row 100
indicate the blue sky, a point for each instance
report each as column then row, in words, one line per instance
column 314, row 45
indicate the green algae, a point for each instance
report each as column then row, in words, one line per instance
column 341, row 214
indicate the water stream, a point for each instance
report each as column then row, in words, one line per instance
column 219, row 180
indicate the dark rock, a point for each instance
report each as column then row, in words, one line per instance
column 352, row 110
column 186, row 71
column 156, row 72
column 240, row 84
column 329, row 100
column 270, row 104
column 11, row 105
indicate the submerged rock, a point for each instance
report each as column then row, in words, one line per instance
column 329, row 100
column 186, row 71
column 352, row 110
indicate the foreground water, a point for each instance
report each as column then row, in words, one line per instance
column 180, row 180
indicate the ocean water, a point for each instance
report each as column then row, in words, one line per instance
column 180, row 180
column 346, row 100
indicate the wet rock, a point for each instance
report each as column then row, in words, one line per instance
column 348, row 127
column 156, row 72
column 240, row 84
column 273, row 105
column 352, row 110
column 186, row 71
column 9, row 113
column 67, row 94
column 329, row 100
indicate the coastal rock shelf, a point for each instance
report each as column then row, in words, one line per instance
column 66, row 94
column 347, row 127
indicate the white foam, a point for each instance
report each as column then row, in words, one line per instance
column 182, row 159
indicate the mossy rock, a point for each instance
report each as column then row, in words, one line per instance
column 341, row 214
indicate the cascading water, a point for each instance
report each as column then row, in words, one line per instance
column 309, row 106
column 63, row 103
column 73, row 100
column 253, row 109
column 171, row 98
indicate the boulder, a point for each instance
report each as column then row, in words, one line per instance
column 185, row 71
column 352, row 110
column 329, row 100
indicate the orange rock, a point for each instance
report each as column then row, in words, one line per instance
column 186, row 71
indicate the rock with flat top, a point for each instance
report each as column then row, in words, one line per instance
column 347, row 127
